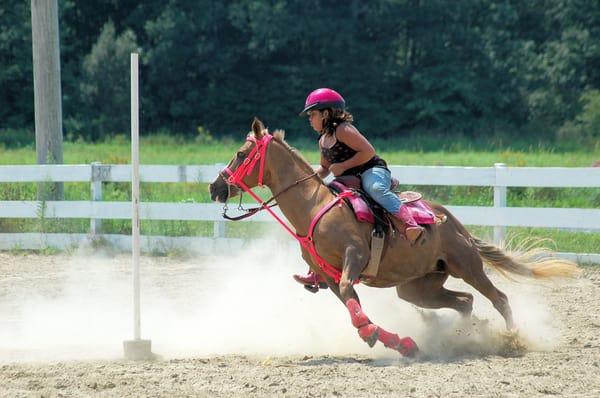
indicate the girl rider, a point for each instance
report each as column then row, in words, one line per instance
column 345, row 151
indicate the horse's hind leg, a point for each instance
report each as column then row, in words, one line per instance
column 429, row 292
column 475, row 277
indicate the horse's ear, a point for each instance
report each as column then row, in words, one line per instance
column 257, row 127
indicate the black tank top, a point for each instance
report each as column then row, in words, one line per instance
column 341, row 152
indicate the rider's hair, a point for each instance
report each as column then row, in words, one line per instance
column 335, row 118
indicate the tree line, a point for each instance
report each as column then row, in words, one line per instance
column 475, row 67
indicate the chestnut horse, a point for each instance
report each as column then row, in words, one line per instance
column 418, row 272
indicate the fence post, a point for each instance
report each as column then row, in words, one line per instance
column 499, row 201
column 99, row 174
column 219, row 227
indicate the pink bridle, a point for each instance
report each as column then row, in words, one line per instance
column 236, row 177
column 245, row 169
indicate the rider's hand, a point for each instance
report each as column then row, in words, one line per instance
column 322, row 171
column 337, row 169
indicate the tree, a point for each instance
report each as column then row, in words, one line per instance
column 105, row 83
column 473, row 66
column 16, row 68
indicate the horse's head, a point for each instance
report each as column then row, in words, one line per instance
column 246, row 168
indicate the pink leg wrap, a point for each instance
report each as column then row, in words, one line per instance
column 370, row 332
column 356, row 314
column 406, row 346
column 366, row 330
column 390, row 340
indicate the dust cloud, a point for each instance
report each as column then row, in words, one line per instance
column 243, row 303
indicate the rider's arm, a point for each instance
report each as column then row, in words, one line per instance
column 349, row 135
column 323, row 169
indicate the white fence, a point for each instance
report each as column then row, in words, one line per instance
column 499, row 216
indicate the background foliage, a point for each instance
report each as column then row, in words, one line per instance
column 477, row 68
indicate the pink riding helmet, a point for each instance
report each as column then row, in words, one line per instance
column 323, row 98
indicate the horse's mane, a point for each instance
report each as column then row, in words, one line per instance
column 279, row 136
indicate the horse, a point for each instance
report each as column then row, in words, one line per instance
column 337, row 247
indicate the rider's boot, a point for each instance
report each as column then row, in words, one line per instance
column 312, row 281
column 413, row 230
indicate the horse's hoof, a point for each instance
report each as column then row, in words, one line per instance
column 369, row 333
column 408, row 347
column 512, row 344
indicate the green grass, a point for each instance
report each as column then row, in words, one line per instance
column 163, row 149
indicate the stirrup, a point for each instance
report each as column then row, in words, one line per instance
column 315, row 288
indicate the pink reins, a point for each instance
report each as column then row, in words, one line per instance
column 236, row 177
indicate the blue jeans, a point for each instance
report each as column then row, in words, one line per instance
column 376, row 182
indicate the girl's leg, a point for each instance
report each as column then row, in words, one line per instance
column 376, row 182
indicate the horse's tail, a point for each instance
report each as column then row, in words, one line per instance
column 533, row 262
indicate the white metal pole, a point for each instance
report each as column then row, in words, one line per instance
column 136, row 349
column 135, row 195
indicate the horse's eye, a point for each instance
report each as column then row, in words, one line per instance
column 241, row 155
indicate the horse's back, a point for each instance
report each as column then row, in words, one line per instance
column 400, row 261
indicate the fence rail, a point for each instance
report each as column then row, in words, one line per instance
column 499, row 177
column 471, row 215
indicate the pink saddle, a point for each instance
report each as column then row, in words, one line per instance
column 420, row 210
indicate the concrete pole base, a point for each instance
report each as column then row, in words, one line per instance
column 138, row 350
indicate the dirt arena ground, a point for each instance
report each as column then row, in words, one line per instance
column 239, row 326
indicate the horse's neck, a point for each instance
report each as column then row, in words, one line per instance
column 301, row 202
column 299, row 208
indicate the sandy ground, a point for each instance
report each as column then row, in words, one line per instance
column 239, row 326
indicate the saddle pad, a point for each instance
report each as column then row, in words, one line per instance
column 421, row 212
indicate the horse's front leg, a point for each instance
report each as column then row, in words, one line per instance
column 354, row 262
